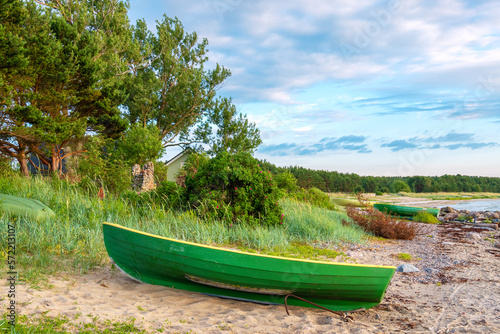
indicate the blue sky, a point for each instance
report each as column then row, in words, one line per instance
column 385, row 88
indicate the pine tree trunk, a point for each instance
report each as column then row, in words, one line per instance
column 23, row 163
column 55, row 161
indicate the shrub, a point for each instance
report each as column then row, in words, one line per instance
column 171, row 194
column 315, row 197
column 160, row 171
column 287, row 182
column 5, row 167
column 233, row 187
column 400, row 186
column 358, row 189
column 380, row 224
column 425, row 217
column 101, row 167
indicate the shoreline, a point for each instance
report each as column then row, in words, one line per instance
column 428, row 202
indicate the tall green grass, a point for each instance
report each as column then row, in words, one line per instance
column 73, row 240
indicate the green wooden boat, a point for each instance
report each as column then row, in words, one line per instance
column 233, row 274
column 346, row 202
column 24, row 207
column 404, row 211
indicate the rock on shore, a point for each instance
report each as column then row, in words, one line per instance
column 448, row 213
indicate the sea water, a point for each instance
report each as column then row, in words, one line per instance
column 477, row 205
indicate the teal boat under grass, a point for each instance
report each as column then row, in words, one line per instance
column 244, row 276
column 14, row 206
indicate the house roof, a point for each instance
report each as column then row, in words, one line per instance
column 176, row 157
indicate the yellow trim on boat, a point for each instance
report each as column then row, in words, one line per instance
column 240, row 252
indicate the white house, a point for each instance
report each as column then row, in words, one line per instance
column 175, row 164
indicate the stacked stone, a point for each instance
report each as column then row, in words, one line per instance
column 143, row 179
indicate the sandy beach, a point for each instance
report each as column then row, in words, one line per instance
column 457, row 290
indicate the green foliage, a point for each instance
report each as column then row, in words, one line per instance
column 315, row 197
column 400, row 186
column 191, row 166
column 172, row 195
column 425, row 217
column 358, row 189
column 420, row 184
column 70, row 82
column 5, row 167
column 234, row 133
column 233, row 187
column 104, row 166
column 176, row 91
column 140, row 144
column 160, row 171
column 286, row 182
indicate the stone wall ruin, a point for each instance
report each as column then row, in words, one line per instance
column 143, row 179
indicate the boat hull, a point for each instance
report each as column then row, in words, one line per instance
column 24, row 207
column 233, row 274
column 405, row 211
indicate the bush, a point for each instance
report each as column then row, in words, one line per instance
column 315, row 197
column 172, row 195
column 400, row 186
column 286, row 182
column 358, row 189
column 101, row 167
column 380, row 224
column 233, row 187
column 425, row 217
column 5, row 167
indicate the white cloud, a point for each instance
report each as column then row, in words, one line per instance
column 430, row 59
column 304, row 129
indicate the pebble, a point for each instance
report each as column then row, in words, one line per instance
column 407, row 268
column 434, row 256
column 473, row 236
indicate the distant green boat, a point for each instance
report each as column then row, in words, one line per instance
column 346, row 202
column 405, row 211
column 244, row 276
column 24, row 207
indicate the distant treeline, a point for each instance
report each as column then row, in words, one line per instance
column 353, row 183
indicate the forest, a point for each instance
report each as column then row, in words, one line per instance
column 331, row 181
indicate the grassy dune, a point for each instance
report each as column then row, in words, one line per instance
column 73, row 241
